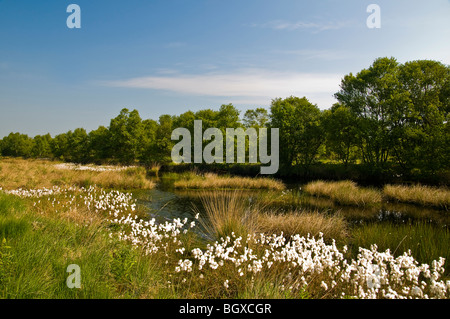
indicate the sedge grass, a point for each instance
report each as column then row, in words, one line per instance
column 303, row 223
column 227, row 212
column 427, row 242
column 344, row 193
column 419, row 195
column 214, row 181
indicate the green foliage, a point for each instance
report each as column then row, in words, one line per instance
column 257, row 118
column 401, row 113
column 126, row 133
column 16, row 144
column 300, row 127
column 391, row 117
column 98, row 145
column 340, row 132
column 41, row 147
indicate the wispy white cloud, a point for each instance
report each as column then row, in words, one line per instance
column 250, row 86
column 303, row 25
column 309, row 54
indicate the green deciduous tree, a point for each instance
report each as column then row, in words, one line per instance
column 301, row 135
column 257, row 118
column 163, row 141
column 16, row 144
column 41, row 147
column 98, row 145
column 423, row 140
column 340, row 132
column 378, row 102
column 126, row 133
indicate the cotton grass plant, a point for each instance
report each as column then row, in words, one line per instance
column 147, row 258
column 303, row 223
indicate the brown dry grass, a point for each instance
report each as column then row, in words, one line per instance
column 344, row 192
column 28, row 174
column 227, row 212
column 214, row 181
column 419, row 195
column 231, row 212
column 303, row 223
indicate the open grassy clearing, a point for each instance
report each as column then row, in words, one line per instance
column 29, row 174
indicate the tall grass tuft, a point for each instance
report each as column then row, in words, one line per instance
column 419, row 195
column 344, row 193
column 304, row 223
column 227, row 212
column 214, row 181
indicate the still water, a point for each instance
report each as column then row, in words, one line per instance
column 165, row 203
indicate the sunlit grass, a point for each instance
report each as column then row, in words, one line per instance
column 344, row 192
column 109, row 238
column 214, row 181
column 28, row 174
column 419, row 195
column 304, row 223
column 227, row 212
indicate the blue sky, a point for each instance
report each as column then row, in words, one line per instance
column 170, row 56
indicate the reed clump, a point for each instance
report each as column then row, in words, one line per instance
column 418, row 195
column 303, row 223
column 214, row 181
column 344, row 192
column 227, row 213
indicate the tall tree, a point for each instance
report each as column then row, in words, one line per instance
column 422, row 141
column 148, row 141
column 228, row 117
column 257, row 118
column 98, row 145
column 60, row 146
column 41, row 147
column 339, row 129
column 126, row 132
column 299, row 122
column 16, row 144
column 163, row 142
column 377, row 100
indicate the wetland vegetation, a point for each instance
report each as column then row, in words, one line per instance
column 358, row 209
column 168, row 242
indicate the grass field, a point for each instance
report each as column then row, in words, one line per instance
column 29, row 174
column 250, row 251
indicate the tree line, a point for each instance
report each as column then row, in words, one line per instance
column 390, row 115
